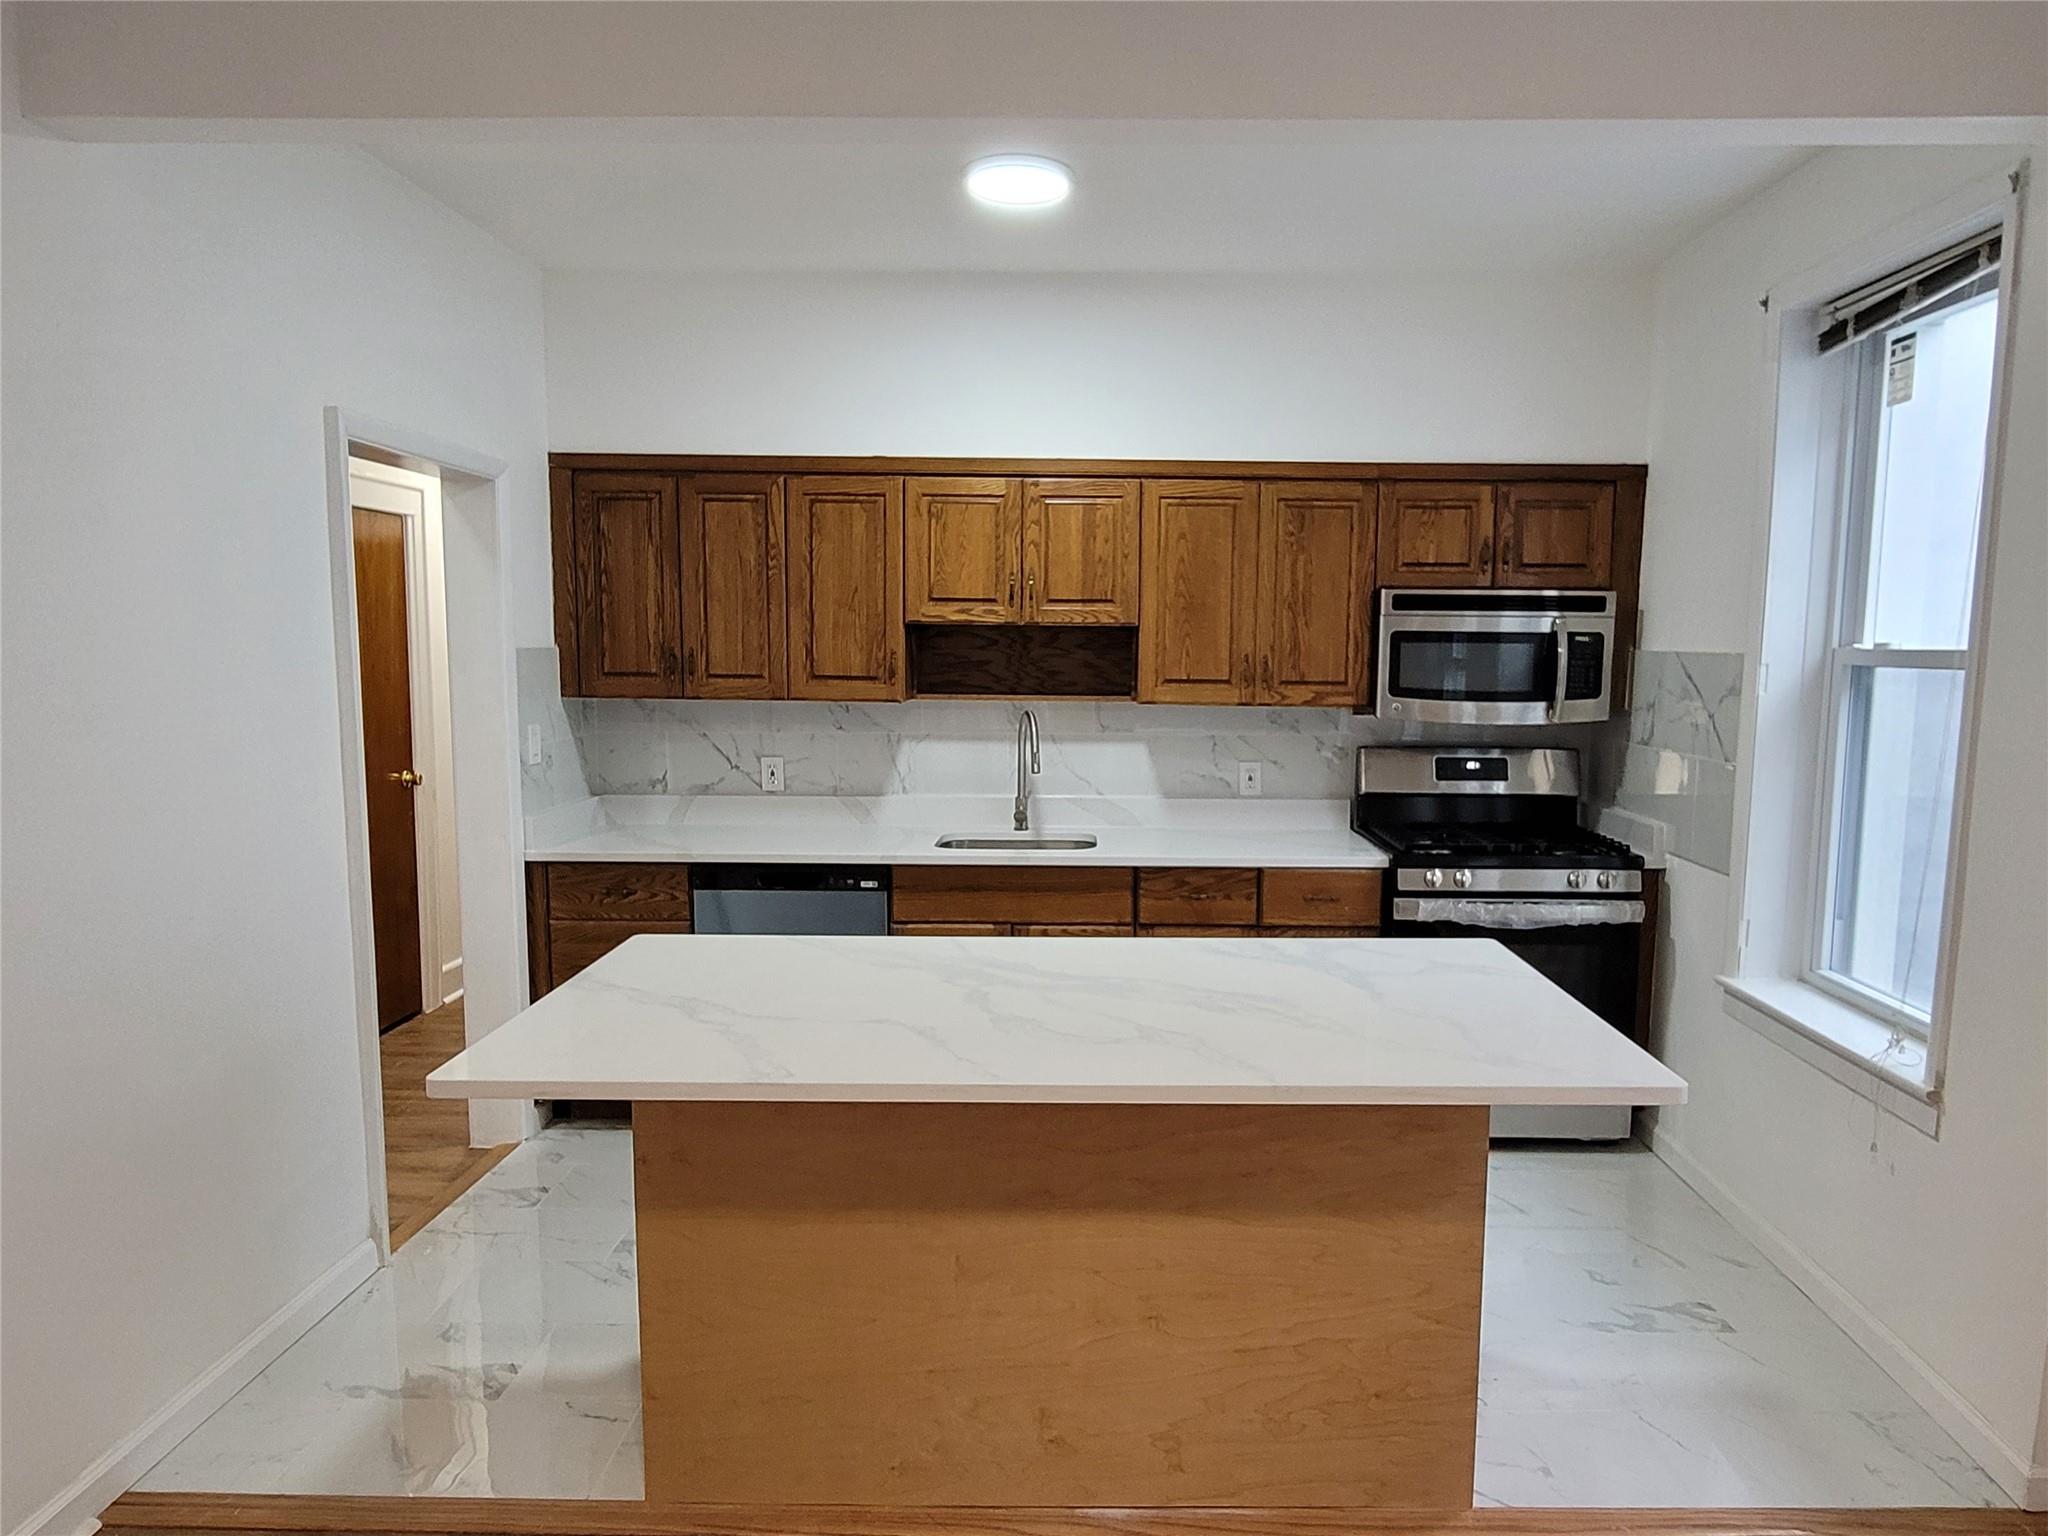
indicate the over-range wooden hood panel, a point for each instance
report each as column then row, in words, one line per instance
column 1167, row 581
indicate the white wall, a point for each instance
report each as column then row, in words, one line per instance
column 183, row 1136
column 1935, row 1251
column 1115, row 367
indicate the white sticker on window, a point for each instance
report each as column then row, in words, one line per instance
column 1898, row 369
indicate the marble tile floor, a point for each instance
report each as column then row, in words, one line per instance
column 1636, row 1351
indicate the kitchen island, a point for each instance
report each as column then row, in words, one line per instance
column 1060, row 1222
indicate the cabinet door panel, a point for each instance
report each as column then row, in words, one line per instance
column 735, row 632
column 1207, row 897
column 963, row 541
column 1319, row 898
column 1556, row 535
column 628, row 586
column 929, row 893
column 1196, row 603
column 619, row 892
column 845, row 587
column 576, row 946
column 1081, row 552
column 1436, row 534
column 1315, row 585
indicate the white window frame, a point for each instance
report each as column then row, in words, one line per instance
column 1854, row 517
column 1781, row 817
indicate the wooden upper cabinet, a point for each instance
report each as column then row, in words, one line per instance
column 845, row 586
column 1556, row 534
column 963, row 543
column 735, row 635
column 1195, row 607
column 627, row 586
column 1315, row 587
column 1436, row 534
column 1080, row 551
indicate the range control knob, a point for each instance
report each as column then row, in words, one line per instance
column 1576, row 879
column 1432, row 878
column 1606, row 879
column 1462, row 879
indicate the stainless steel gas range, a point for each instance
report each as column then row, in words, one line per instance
column 1486, row 841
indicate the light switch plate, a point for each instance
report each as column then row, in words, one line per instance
column 1248, row 780
column 771, row 775
column 536, row 746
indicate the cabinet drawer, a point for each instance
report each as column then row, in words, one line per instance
column 949, row 930
column 1320, row 898
column 614, row 892
column 1074, row 930
column 927, row 893
column 575, row 945
column 1270, row 932
column 1193, row 931
column 1198, row 895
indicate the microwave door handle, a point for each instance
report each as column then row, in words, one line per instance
column 1558, row 629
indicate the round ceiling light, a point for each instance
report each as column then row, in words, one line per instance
column 1018, row 181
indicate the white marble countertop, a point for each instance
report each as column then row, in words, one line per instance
column 1053, row 1020
column 903, row 829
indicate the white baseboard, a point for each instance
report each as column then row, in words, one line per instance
column 75, row 1510
column 2025, row 1484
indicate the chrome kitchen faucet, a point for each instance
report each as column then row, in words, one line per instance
column 1027, row 739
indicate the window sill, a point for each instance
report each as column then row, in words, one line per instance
column 1858, row 1051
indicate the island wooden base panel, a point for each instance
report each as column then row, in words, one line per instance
column 1065, row 1304
column 234, row 1514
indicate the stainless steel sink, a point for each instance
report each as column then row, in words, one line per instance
column 1022, row 842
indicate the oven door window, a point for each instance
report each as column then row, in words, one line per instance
column 1473, row 667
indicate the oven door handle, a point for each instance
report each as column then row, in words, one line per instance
column 1472, row 912
column 1559, row 629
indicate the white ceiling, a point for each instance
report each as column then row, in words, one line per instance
column 886, row 196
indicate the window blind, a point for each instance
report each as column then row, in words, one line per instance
column 1877, row 304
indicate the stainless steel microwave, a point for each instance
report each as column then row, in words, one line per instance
column 1493, row 656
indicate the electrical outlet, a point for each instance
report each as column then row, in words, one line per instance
column 1248, row 780
column 771, row 775
column 536, row 746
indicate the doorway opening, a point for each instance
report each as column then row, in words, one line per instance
column 430, row 794
column 409, row 805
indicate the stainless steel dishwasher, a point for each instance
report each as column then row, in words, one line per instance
column 789, row 898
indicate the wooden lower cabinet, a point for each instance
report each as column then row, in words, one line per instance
column 576, row 914
column 1198, row 896
column 954, row 894
column 1319, row 898
column 575, row 946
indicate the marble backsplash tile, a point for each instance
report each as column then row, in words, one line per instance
column 558, row 777
column 706, row 746
column 1675, row 760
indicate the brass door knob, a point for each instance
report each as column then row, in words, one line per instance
column 406, row 777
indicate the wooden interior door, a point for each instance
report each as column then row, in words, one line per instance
column 845, row 586
column 963, row 540
column 384, row 656
column 629, row 585
column 1196, row 605
column 1080, row 551
column 1436, row 534
column 735, row 625
column 1556, row 534
column 1315, row 587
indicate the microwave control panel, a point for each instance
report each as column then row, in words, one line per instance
column 1585, row 662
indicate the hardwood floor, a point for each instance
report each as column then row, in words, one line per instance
column 428, row 1160
column 159, row 1514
